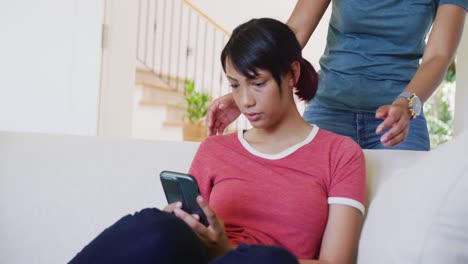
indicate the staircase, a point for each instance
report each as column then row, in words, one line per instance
column 175, row 42
column 159, row 108
column 157, row 92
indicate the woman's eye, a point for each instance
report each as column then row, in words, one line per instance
column 234, row 86
column 259, row 84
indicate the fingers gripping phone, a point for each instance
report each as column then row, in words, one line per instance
column 182, row 187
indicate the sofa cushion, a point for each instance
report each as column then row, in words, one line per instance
column 419, row 214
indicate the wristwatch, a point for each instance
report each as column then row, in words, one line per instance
column 415, row 105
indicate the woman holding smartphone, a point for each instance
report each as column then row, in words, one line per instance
column 284, row 191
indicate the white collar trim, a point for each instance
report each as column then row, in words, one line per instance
column 282, row 154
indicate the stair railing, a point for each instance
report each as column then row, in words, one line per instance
column 177, row 41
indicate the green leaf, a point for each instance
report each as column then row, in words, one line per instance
column 197, row 102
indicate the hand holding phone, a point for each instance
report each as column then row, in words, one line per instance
column 182, row 187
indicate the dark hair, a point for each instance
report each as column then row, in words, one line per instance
column 270, row 45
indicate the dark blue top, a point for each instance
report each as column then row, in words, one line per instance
column 373, row 50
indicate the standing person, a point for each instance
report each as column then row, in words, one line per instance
column 371, row 84
column 283, row 191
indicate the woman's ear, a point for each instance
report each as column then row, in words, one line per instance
column 295, row 73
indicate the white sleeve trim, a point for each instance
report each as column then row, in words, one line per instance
column 347, row 201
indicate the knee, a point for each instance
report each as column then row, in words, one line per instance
column 144, row 237
column 145, row 222
column 154, row 227
column 167, row 236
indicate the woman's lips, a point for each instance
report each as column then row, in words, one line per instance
column 252, row 116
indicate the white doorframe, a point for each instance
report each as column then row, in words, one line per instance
column 118, row 68
column 460, row 121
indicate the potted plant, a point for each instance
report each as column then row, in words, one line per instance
column 197, row 108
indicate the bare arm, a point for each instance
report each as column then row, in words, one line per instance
column 440, row 50
column 441, row 46
column 305, row 18
column 341, row 236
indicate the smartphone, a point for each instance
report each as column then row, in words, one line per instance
column 184, row 188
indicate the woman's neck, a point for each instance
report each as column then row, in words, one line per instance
column 291, row 130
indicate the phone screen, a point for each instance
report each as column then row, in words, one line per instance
column 182, row 187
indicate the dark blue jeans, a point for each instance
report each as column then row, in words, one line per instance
column 361, row 127
column 154, row 236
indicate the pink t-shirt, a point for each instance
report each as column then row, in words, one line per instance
column 280, row 199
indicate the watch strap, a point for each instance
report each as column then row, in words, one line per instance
column 409, row 97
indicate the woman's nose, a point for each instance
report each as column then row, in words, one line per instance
column 247, row 99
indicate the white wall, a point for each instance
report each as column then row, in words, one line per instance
column 50, row 65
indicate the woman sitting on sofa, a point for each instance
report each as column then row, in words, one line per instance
column 281, row 192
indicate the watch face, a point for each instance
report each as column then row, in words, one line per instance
column 417, row 106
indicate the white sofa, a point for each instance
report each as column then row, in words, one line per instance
column 58, row 192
